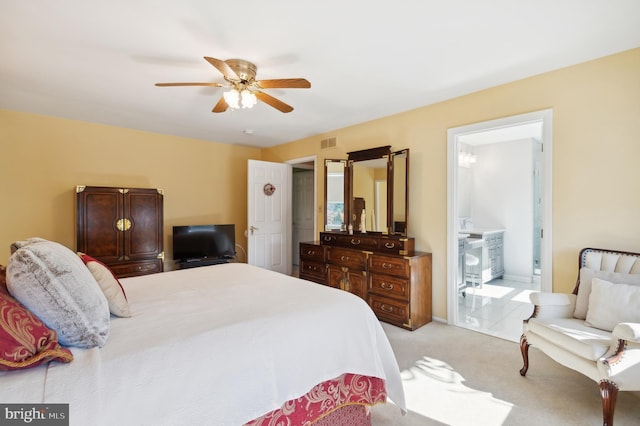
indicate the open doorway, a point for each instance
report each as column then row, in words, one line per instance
column 303, row 206
column 499, row 196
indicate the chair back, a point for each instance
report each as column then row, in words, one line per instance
column 623, row 262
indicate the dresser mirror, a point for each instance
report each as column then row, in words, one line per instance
column 374, row 180
column 335, row 188
column 399, row 189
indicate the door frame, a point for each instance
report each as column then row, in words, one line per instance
column 453, row 134
column 293, row 162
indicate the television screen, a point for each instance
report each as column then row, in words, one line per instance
column 194, row 242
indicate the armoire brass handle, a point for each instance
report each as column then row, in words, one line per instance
column 123, row 224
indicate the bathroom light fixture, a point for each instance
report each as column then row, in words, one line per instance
column 466, row 159
column 240, row 99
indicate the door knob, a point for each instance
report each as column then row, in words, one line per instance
column 252, row 228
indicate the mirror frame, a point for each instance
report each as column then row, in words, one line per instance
column 364, row 155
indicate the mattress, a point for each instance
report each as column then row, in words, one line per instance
column 228, row 342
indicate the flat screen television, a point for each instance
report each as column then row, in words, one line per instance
column 197, row 242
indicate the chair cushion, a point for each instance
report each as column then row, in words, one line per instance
column 584, row 291
column 573, row 335
column 611, row 304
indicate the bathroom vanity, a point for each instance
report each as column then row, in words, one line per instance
column 487, row 244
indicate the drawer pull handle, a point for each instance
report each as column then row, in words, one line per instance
column 386, row 286
column 355, row 242
column 327, row 238
column 344, row 258
column 386, row 308
column 387, row 265
column 389, row 245
column 311, row 252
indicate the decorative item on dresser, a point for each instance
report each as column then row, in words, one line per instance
column 382, row 269
column 121, row 227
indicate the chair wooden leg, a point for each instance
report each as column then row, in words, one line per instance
column 524, row 349
column 609, row 393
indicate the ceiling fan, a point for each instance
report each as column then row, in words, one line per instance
column 245, row 89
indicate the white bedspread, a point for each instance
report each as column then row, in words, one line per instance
column 218, row 345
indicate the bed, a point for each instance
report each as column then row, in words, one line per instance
column 227, row 344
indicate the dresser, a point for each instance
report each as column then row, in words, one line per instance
column 122, row 228
column 382, row 269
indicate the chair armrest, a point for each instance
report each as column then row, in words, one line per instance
column 553, row 305
column 622, row 363
column 629, row 331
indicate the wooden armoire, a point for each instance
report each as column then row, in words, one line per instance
column 121, row 227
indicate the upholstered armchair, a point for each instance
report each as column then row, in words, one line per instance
column 596, row 329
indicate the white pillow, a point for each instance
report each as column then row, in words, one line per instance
column 109, row 284
column 611, row 304
column 584, row 290
column 53, row 283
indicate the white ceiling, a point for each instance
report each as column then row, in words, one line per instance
column 98, row 61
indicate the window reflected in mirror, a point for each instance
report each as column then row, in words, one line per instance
column 334, row 194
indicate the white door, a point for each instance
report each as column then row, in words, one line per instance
column 268, row 219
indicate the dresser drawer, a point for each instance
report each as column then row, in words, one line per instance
column 390, row 310
column 385, row 285
column 398, row 246
column 328, row 238
column 313, row 271
column 358, row 241
column 348, row 258
column 396, row 266
column 132, row 269
column 312, row 252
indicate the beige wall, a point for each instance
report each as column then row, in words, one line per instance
column 596, row 148
column 44, row 158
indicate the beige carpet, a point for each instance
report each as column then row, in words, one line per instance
column 454, row 376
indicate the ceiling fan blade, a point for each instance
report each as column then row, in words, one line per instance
column 221, row 106
column 284, row 83
column 276, row 103
column 223, row 67
column 190, row 84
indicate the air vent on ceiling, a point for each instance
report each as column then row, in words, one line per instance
column 328, row 143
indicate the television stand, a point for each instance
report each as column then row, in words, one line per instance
column 195, row 263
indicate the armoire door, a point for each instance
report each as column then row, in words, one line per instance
column 98, row 211
column 143, row 239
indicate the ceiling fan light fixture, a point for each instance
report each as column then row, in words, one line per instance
column 240, row 99
column 248, row 99
column 232, row 98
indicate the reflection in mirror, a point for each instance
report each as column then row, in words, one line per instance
column 369, row 186
column 334, row 175
column 400, row 179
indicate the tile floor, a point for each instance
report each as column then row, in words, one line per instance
column 497, row 308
